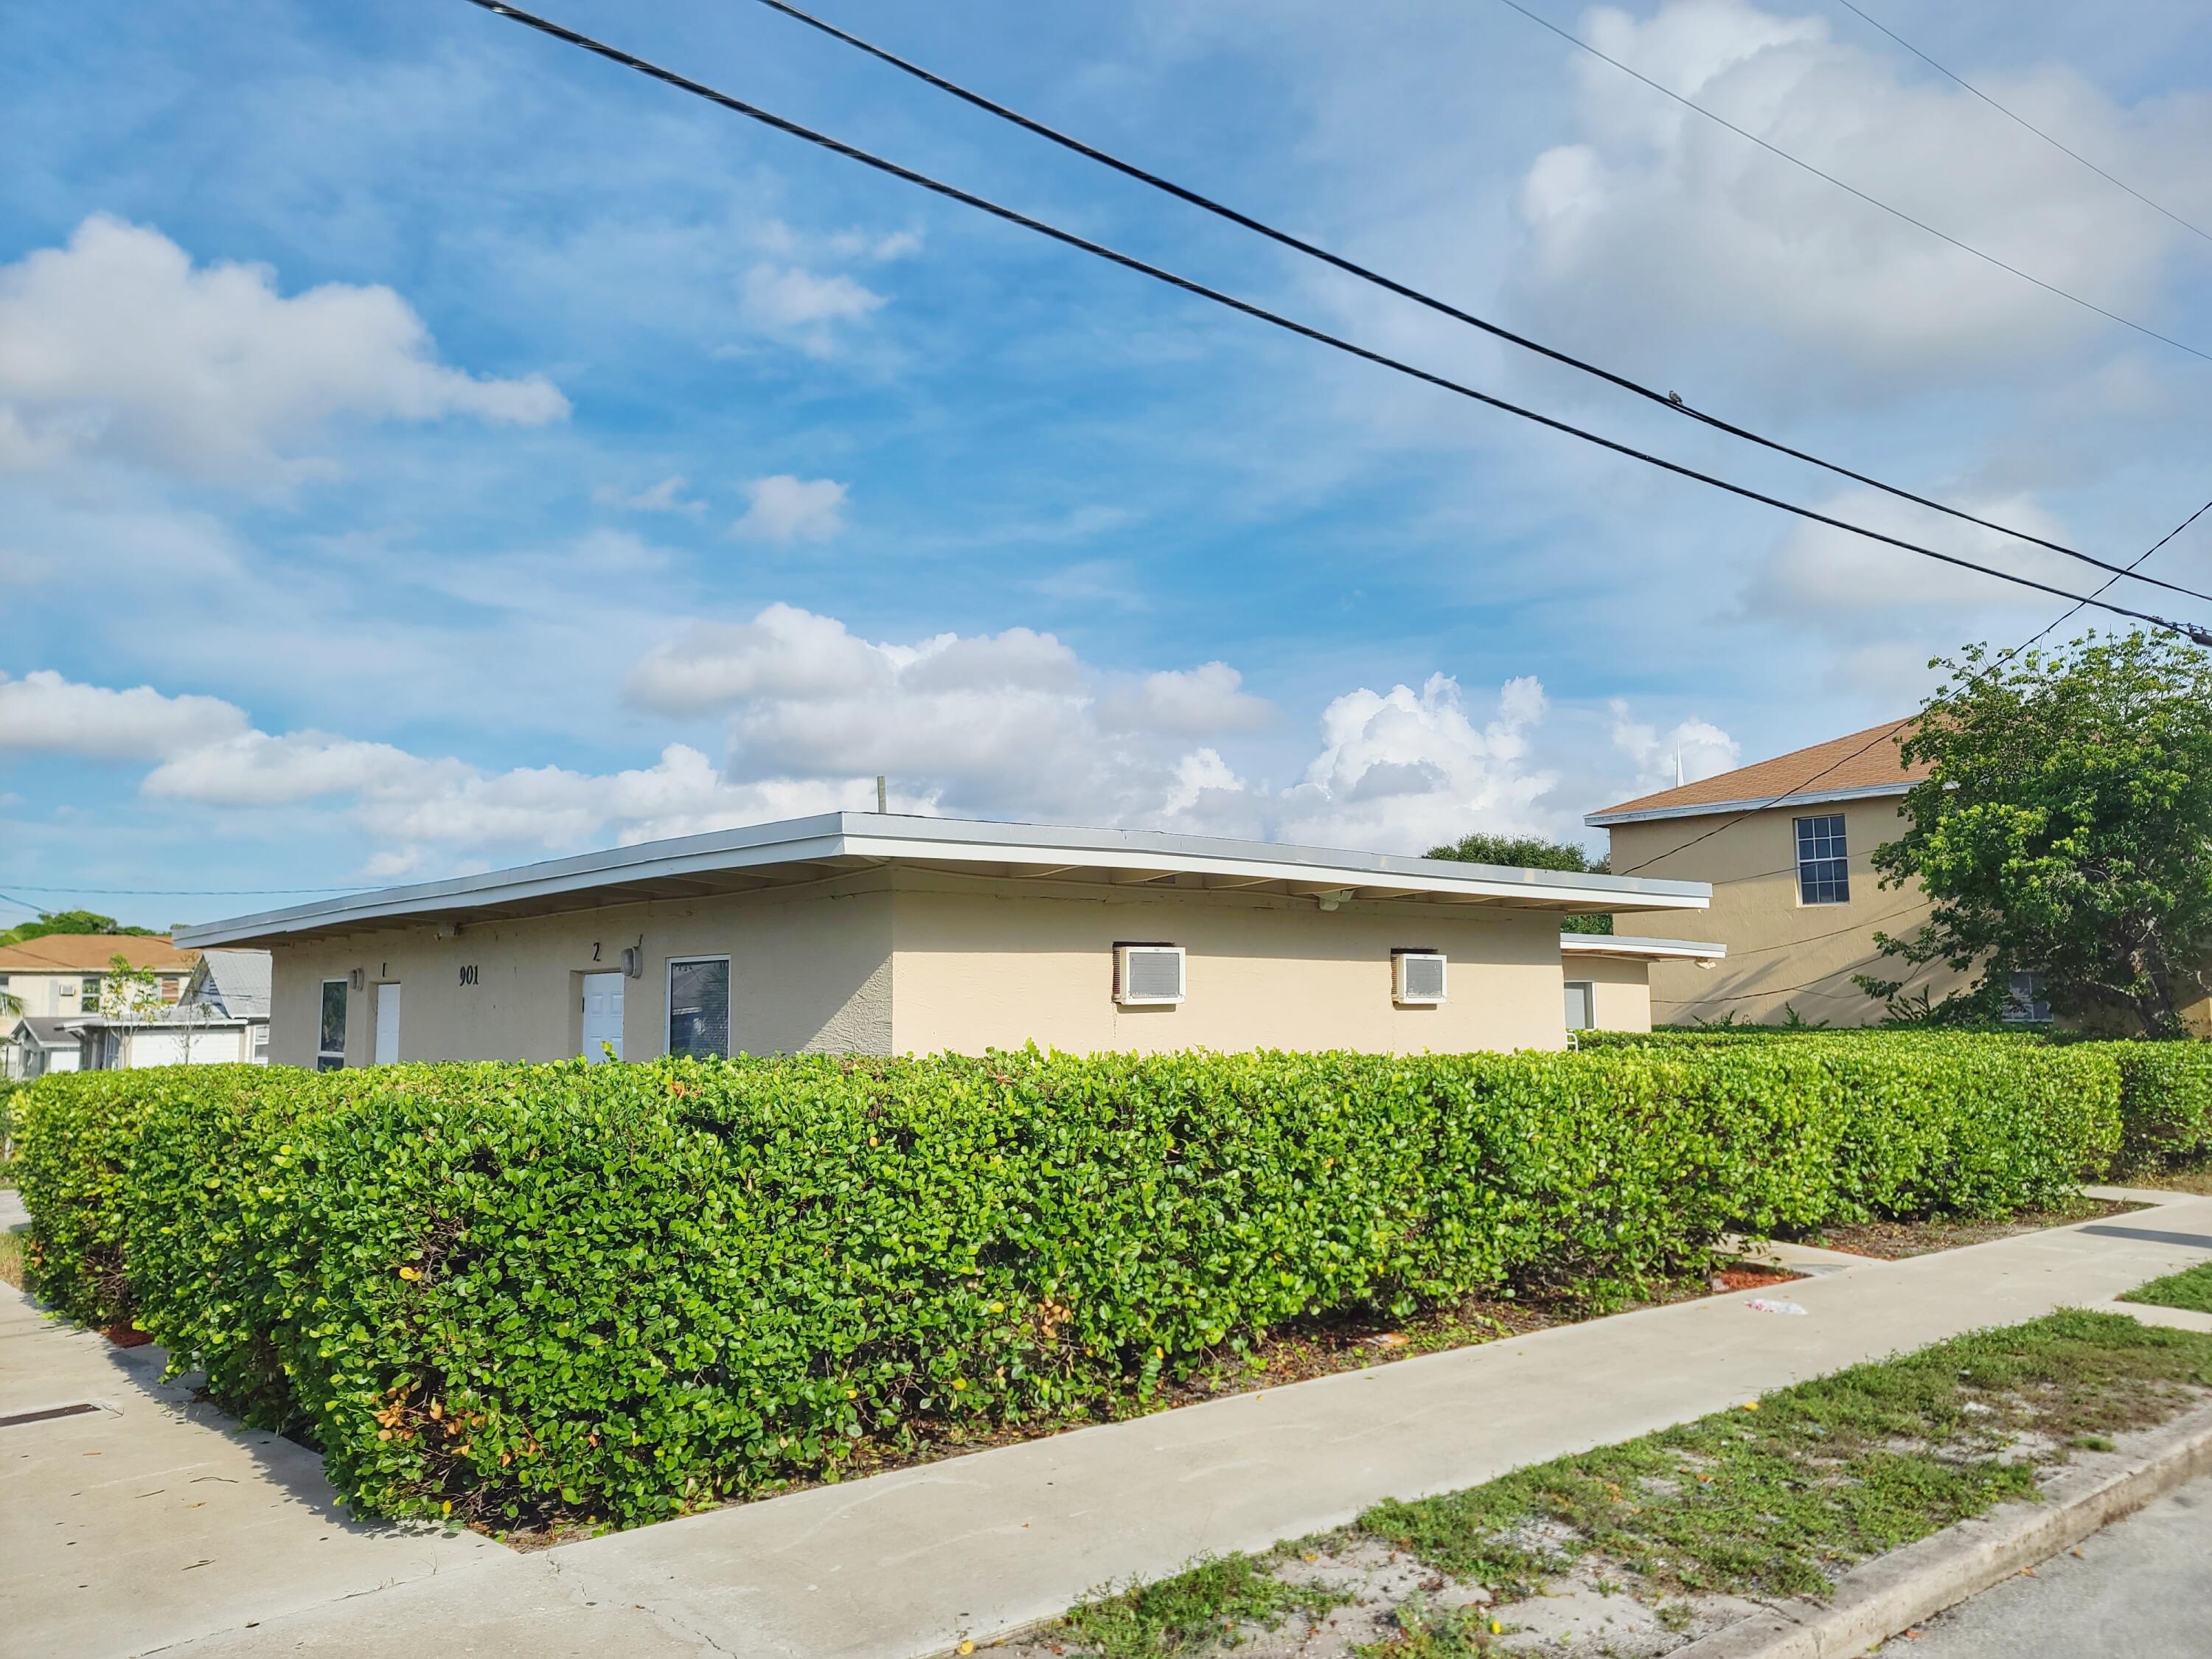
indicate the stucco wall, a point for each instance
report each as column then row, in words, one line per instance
column 809, row 970
column 982, row 964
column 1780, row 952
column 1620, row 991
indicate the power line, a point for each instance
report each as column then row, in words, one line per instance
column 1891, row 731
column 188, row 892
column 1872, row 201
column 2014, row 116
column 1129, row 262
column 1665, row 399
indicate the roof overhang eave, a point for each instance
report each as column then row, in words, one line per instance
column 817, row 848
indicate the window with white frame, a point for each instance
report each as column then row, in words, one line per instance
column 331, row 1028
column 1581, row 1000
column 1824, row 859
column 699, row 1006
column 2024, row 1004
column 88, row 993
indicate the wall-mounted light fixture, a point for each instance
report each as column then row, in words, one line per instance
column 1334, row 897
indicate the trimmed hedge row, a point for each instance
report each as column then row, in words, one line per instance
column 2166, row 1087
column 625, row 1291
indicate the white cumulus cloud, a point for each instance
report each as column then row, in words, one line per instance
column 1697, row 748
column 785, row 509
column 42, row 712
column 116, row 342
column 803, row 308
column 1659, row 220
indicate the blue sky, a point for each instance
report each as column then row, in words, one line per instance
column 424, row 447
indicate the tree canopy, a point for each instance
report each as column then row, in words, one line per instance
column 1532, row 852
column 2064, row 830
column 68, row 921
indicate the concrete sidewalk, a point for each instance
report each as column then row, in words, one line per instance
column 908, row 1563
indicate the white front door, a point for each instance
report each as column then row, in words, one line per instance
column 387, row 1025
column 603, row 1016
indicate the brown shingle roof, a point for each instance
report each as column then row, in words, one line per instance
column 1860, row 761
column 90, row 953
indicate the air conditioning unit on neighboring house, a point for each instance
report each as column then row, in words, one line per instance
column 1417, row 978
column 1147, row 975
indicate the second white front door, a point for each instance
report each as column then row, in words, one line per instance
column 603, row 1016
column 387, row 1025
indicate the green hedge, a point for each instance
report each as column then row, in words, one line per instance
column 2166, row 1093
column 623, row 1292
column 2166, row 1087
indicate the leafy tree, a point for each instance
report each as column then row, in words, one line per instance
column 129, row 993
column 2065, row 831
column 1533, row 853
column 68, row 921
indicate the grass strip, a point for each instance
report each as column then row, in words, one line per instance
column 1192, row 1612
column 2192, row 1288
column 1773, row 1497
column 11, row 1258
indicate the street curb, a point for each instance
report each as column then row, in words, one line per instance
column 1874, row 1601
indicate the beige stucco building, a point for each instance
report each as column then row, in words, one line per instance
column 1608, row 976
column 881, row 934
column 1787, row 846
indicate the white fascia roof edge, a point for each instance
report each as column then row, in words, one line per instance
column 890, row 838
column 1758, row 804
column 1648, row 950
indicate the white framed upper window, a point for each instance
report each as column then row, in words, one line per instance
column 330, row 1027
column 699, row 1006
column 1824, row 860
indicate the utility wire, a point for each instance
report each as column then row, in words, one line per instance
column 1129, row 262
column 1890, row 731
column 1542, row 21
column 187, row 892
column 2014, row 116
column 1665, row 399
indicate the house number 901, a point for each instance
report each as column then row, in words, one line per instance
column 469, row 973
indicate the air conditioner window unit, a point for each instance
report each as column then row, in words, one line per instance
column 1147, row 975
column 1417, row 978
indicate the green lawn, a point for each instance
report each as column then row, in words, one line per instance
column 2191, row 1288
column 1773, row 1497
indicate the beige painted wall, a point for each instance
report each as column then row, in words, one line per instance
column 1620, row 991
column 884, row 963
column 1780, row 952
column 808, row 970
column 983, row 964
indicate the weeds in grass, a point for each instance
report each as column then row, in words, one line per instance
column 1191, row 1611
column 1773, row 1497
column 2192, row 1288
column 1427, row 1632
column 11, row 1258
column 1772, row 1500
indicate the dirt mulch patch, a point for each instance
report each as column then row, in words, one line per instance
column 1751, row 1279
column 1895, row 1241
column 2181, row 1178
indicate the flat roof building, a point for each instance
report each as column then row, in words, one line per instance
column 875, row 934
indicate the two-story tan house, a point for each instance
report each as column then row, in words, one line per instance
column 58, row 977
column 1787, row 846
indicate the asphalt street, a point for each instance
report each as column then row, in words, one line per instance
column 2141, row 1588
